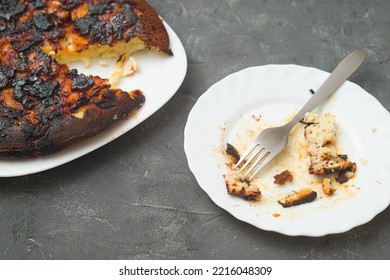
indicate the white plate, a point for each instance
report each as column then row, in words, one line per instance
column 276, row 92
column 158, row 76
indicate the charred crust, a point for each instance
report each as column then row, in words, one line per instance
column 81, row 82
column 232, row 153
column 10, row 9
column 43, row 21
column 298, row 198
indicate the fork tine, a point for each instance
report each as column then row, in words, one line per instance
column 263, row 164
column 260, row 160
column 247, row 152
column 253, row 156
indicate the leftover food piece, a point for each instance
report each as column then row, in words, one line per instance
column 124, row 66
column 320, row 134
column 295, row 198
column 282, row 178
column 44, row 105
column 232, row 153
column 345, row 175
column 239, row 186
column 327, row 187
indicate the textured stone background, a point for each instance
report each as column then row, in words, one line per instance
column 136, row 198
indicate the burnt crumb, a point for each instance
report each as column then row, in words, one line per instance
column 298, row 197
column 282, row 178
column 42, row 21
column 232, row 153
column 342, row 178
column 80, row 82
column 312, row 91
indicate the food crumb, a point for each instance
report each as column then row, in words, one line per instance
column 282, row 178
column 232, row 153
column 241, row 187
column 373, row 129
column 327, row 187
column 256, row 117
column 276, row 215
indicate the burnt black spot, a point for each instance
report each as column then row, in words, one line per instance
column 11, row 112
column 31, row 42
column 83, row 25
column 25, row 89
column 342, row 178
column 101, row 8
column 110, row 95
column 43, row 64
column 80, row 102
column 43, row 21
column 5, row 123
column 104, row 104
column 38, row 4
column 9, row 9
column 70, row 4
column 81, row 82
column 45, row 146
column 41, row 89
column 97, row 90
column 231, row 151
column 344, row 157
column 3, row 80
column 7, row 72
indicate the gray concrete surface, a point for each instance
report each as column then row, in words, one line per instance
column 136, row 198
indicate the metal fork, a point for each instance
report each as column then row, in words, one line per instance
column 271, row 141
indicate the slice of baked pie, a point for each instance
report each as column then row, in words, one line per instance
column 44, row 105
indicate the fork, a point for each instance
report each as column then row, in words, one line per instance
column 271, row 141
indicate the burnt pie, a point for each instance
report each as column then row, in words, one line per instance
column 44, row 105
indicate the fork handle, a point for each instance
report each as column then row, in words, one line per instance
column 339, row 75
